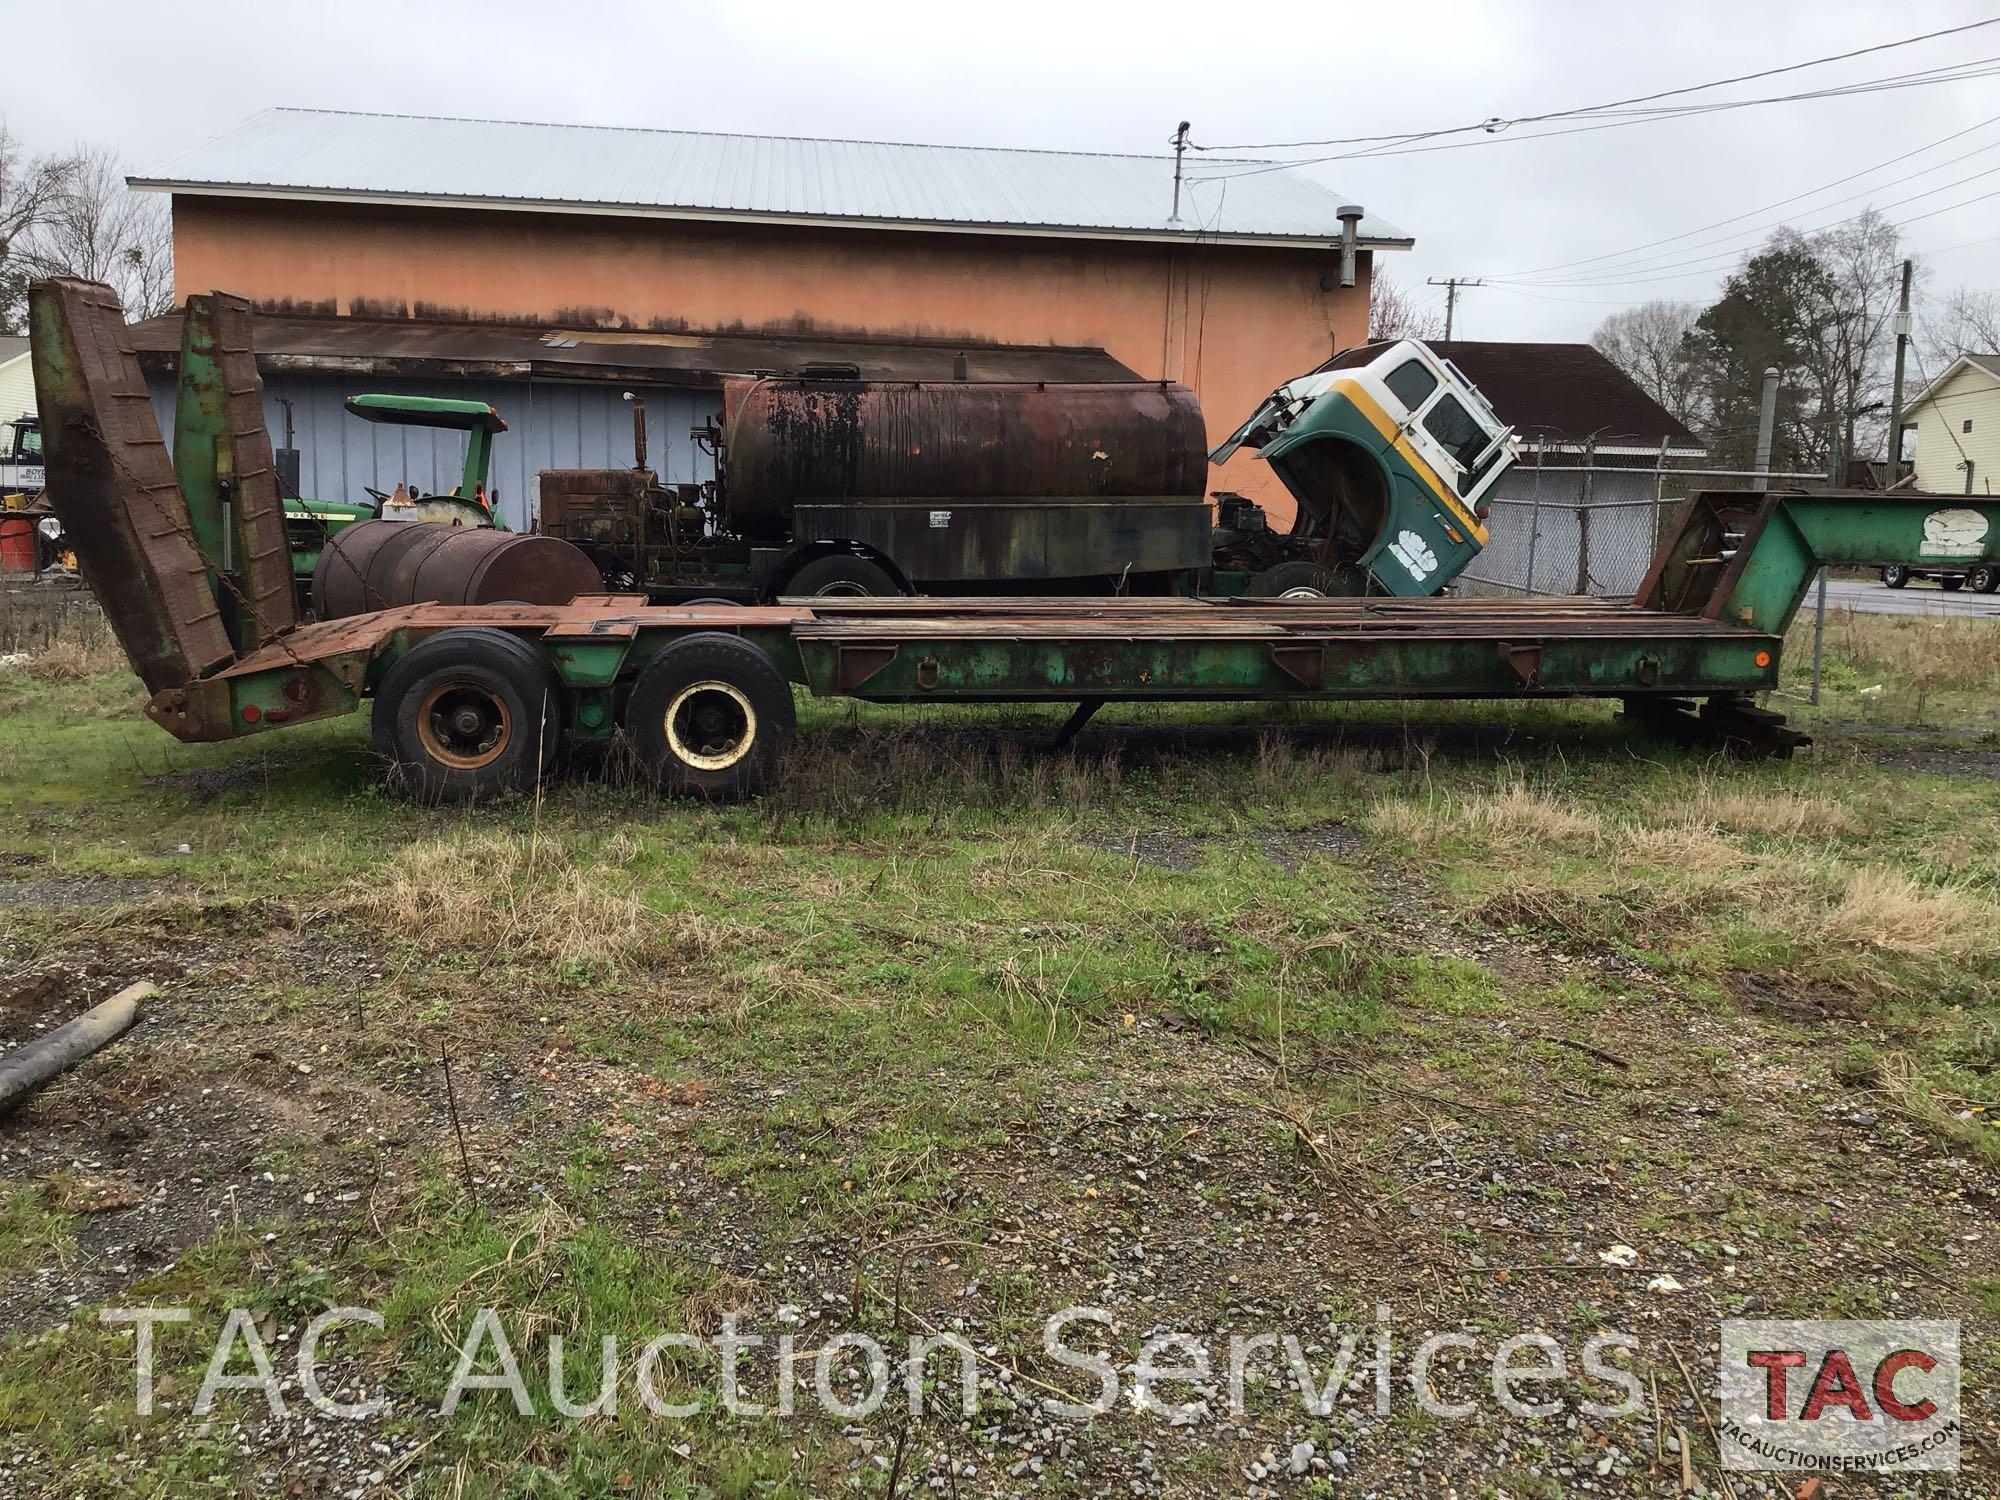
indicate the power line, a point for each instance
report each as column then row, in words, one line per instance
column 1541, row 296
column 1970, row 70
column 1615, row 275
column 1492, row 125
column 1766, row 208
column 1728, row 262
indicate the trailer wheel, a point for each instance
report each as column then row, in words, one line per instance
column 710, row 715
column 842, row 575
column 1985, row 579
column 469, row 714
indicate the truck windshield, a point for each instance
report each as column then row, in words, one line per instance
column 28, row 441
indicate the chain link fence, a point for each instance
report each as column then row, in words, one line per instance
column 1588, row 529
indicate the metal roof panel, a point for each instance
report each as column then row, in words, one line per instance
column 698, row 173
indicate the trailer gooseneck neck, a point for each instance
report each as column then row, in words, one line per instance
column 474, row 700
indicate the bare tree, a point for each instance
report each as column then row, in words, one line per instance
column 29, row 187
column 1651, row 344
column 1394, row 313
column 1969, row 322
column 1849, row 367
column 101, row 230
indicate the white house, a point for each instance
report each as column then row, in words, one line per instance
column 17, row 380
column 1956, row 419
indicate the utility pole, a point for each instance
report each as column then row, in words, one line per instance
column 1903, row 327
column 1768, row 411
column 1180, row 145
column 1452, row 285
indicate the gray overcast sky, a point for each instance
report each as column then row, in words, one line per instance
column 150, row 80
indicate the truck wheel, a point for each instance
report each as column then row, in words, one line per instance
column 468, row 714
column 1985, row 579
column 1950, row 582
column 842, row 575
column 1291, row 580
column 710, row 715
column 1896, row 576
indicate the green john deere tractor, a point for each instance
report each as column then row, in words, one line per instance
column 308, row 523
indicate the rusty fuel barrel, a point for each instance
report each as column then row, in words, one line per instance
column 381, row 564
column 796, row 441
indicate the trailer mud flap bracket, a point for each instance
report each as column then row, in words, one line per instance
column 855, row 665
column 1525, row 662
column 1305, row 665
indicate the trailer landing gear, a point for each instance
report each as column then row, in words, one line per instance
column 1730, row 720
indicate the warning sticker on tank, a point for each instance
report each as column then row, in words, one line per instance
column 1953, row 533
column 941, row 518
column 1418, row 559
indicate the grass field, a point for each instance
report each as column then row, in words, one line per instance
column 1230, row 1021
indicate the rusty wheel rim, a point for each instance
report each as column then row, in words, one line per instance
column 463, row 725
column 711, row 726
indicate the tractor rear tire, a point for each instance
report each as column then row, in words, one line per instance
column 1985, row 579
column 469, row 714
column 710, row 716
column 1895, row 576
column 841, row 575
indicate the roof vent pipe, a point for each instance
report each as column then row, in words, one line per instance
column 1350, row 215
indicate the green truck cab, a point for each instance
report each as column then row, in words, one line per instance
column 1390, row 452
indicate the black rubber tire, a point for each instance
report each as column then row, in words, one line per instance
column 841, row 575
column 1896, row 576
column 719, row 685
column 502, row 679
column 1297, row 578
column 1950, row 582
column 1985, row 579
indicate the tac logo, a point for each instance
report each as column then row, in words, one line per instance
column 1840, row 1397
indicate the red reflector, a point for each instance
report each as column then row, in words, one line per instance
column 1763, row 658
column 252, row 713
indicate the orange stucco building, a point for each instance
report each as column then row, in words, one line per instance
column 659, row 236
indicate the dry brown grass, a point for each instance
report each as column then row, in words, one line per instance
column 502, row 895
column 75, row 660
column 1515, row 817
column 1692, row 853
column 1782, row 814
column 1904, row 650
column 1880, row 908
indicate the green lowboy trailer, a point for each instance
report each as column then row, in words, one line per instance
column 475, row 700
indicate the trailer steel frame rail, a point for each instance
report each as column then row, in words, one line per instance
column 466, row 686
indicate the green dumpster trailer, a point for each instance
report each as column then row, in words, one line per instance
column 189, row 559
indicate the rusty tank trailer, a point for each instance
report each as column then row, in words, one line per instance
column 830, row 486
column 962, row 482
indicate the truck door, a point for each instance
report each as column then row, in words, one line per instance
column 1430, row 535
